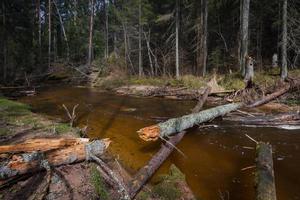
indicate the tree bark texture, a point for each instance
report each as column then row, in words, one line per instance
column 176, row 125
column 265, row 180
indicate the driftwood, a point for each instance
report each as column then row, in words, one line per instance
column 44, row 144
column 265, row 181
column 145, row 173
column 35, row 161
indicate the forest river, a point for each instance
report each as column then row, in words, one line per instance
column 217, row 160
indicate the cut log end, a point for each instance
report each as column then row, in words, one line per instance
column 150, row 133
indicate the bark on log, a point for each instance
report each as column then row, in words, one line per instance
column 43, row 144
column 176, row 125
column 148, row 170
column 35, row 161
column 201, row 100
column 265, row 181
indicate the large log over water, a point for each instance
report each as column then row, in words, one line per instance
column 179, row 124
column 265, row 181
column 35, row 161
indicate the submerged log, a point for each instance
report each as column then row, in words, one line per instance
column 265, row 181
column 148, row 170
column 35, row 161
column 176, row 125
column 42, row 144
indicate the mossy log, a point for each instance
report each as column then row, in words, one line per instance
column 35, row 161
column 42, row 144
column 265, row 180
column 176, row 125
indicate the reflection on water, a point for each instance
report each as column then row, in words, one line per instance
column 214, row 156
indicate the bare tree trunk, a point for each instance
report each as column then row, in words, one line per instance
column 49, row 33
column 202, row 39
column 284, row 72
column 106, row 29
column 244, row 34
column 90, row 48
column 63, row 30
column 147, row 39
column 177, row 38
column 140, row 40
column 39, row 28
column 4, row 43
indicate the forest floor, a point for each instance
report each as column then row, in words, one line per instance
column 76, row 181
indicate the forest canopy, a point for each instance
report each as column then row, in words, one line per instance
column 147, row 37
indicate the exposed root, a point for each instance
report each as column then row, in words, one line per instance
column 151, row 133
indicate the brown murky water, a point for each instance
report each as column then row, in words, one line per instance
column 214, row 156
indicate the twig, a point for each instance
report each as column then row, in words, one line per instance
column 251, row 138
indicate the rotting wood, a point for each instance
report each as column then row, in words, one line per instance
column 265, row 180
column 42, row 144
column 31, row 162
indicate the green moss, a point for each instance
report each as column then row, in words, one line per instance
column 62, row 128
column 232, row 81
column 12, row 108
column 98, row 183
column 4, row 131
column 166, row 189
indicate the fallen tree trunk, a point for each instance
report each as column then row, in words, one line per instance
column 176, row 125
column 265, row 181
column 35, row 161
column 43, row 144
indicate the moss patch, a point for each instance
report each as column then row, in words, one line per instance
column 98, row 183
column 12, row 108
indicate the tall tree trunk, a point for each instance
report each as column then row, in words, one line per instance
column 177, row 38
column 140, row 40
column 244, row 34
column 4, row 42
column 63, row 30
column 284, row 72
column 38, row 13
column 90, row 48
column 49, row 33
column 106, row 29
column 202, row 39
